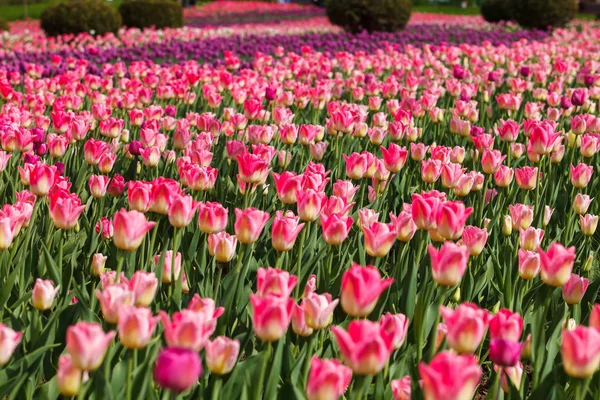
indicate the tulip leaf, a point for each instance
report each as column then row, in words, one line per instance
column 274, row 371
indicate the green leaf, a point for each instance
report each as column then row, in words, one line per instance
column 275, row 369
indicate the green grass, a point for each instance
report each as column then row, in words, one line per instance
column 447, row 9
column 34, row 11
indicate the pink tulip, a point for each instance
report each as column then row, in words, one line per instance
column 448, row 264
column 556, row 264
column 451, row 218
column 515, row 374
column 418, row 151
column 394, row 157
column 98, row 263
column 451, row 174
column 9, row 340
column 310, row 204
column 529, row 264
column 336, row 228
column 530, row 238
column 588, row 224
column 274, row 282
column 397, row 325
column 402, row 388
column 318, row 310
column 508, row 130
column 130, row 229
column 287, row 185
column 424, row 211
column 285, row 230
column 222, row 246
column 43, row 294
column 450, row 376
column 464, row 185
column 68, row 377
column 299, row 322
column 143, row 285
column 542, row 138
column 177, row 369
column 162, row 194
column 212, row 217
column 574, row 289
column 582, row 203
column 252, row 168
column 136, row 325
column 345, row 190
column 595, row 317
column 581, row 352
column 474, row 239
column 361, row 288
column 365, row 347
column 404, row 225
column 65, row 209
column 138, row 195
column 327, row 379
column 221, row 355
column 466, row 326
column 41, row 179
column 356, row 165
column 87, row 344
column 505, row 353
column 170, row 269
column 581, row 175
column 526, row 177
column 249, row 224
column 379, row 238
column 98, row 185
column 271, row 316
column 182, row 210
column 491, row 160
column 522, row 216
column 506, row 325
column 431, row 170
column 112, row 299
column 366, row 217
column 105, row 228
column 504, row 176
column 188, row 329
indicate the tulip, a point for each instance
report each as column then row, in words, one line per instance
column 98, row 262
column 588, row 223
column 41, row 179
column 474, row 239
column 491, row 160
column 43, row 294
column 526, row 177
column 343, row 189
column 105, row 228
column 130, row 229
column 556, row 264
column 451, row 218
column 9, row 340
column 595, row 317
column 401, row 388
column 136, row 325
column 424, row 211
column 327, row 379
column 464, row 185
column 112, row 299
column 170, row 269
column 138, row 195
column 547, row 215
column 582, row 203
column 506, row 325
column 222, row 246
column 521, row 215
column 98, row 185
column 274, row 282
column 221, row 355
column 581, row 352
column 542, row 139
column 450, row 376
column 394, row 157
column 188, row 329
column 529, row 264
column 287, row 185
column 365, row 347
column 252, row 168
column 271, row 316
column 68, row 377
column 431, row 170
column 418, row 151
column 404, row 225
column 177, row 369
column 581, row 175
column 504, row 352
column 466, row 326
column 574, row 289
column 356, row 165
column 249, row 224
column 87, row 344
column 182, row 210
column 285, row 230
column 397, row 325
column 451, row 174
column 504, row 176
column 318, row 310
column 212, row 217
column 379, row 238
column 65, row 209
column 299, row 322
column 530, row 238
column 143, row 285
column 361, row 288
column 336, row 228
column 310, row 204
column 448, row 264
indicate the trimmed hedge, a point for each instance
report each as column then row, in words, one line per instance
column 496, row 10
column 96, row 17
column 542, row 14
column 146, row 13
column 369, row 15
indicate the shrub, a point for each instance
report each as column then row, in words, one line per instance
column 541, row 14
column 496, row 10
column 93, row 16
column 147, row 13
column 370, row 15
column 3, row 25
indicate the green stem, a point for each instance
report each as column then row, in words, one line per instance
column 433, row 333
column 308, row 358
column 130, row 374
column 496, row 384
column 263, row 371
column 120, row 261
column 300, row 253
column 216, row 389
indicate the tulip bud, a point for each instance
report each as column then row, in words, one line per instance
column 98, row 262
column 68, row 377
column 221, row 355
column 43, row 294
column 507, row 226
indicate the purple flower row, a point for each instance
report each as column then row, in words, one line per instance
column 272, row 16
column 211, row 50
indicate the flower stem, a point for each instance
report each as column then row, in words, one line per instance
column 263, row 371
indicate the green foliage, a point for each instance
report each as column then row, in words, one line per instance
column 3, row 25
column 496, row 10
column 93, row 16
column 370, row 15
column 542, row 14
column 146, row 13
